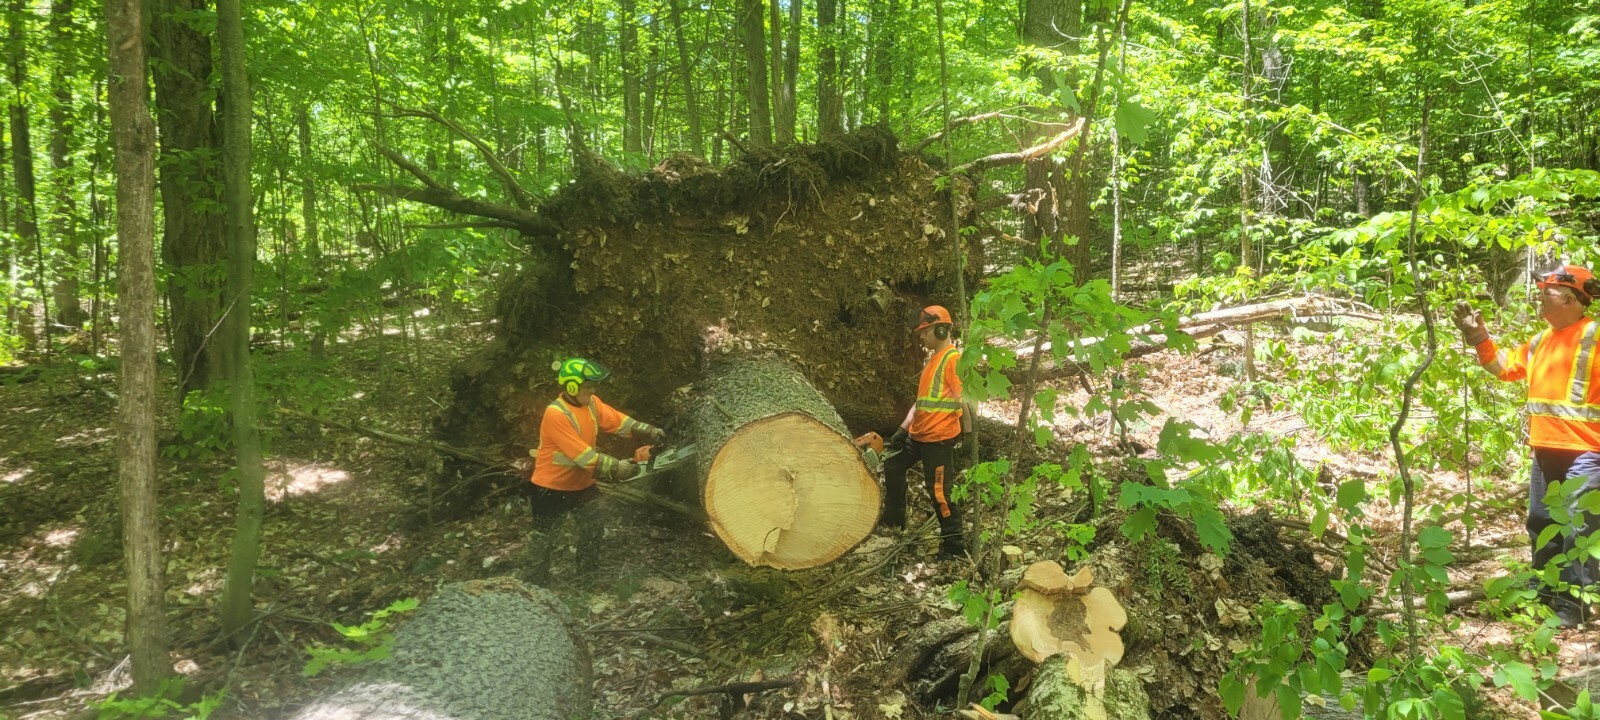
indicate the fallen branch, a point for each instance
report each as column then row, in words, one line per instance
column 955, row 123
column 739, row 688
column 1211, row 323
column 528, row 222
column 476, row 459
column 1027, row 155
column 468, row 225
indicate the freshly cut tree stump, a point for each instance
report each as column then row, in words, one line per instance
column 482, row 650
column 780, row 480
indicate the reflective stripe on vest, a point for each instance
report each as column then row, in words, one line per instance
column 1575, row 406
column 934, row 402
column 587, row 456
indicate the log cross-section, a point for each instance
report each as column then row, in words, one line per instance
column 781, row 482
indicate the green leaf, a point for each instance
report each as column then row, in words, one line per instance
column 1132, row 119
column 1519, row 675
column 1139, row 524
column 1433, row 537
column 1351, row 494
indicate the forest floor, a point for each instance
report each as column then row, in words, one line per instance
column 669, row 608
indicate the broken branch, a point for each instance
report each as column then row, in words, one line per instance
column 519, row 195
column 1023, row 156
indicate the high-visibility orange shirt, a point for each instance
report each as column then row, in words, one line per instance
column 566, row 457
column 1563, row 397
column 938, row 412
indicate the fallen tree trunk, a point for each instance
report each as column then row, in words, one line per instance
column 1147, row 340
column 780, row 480
column 481, row 650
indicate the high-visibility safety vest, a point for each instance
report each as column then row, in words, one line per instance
column 938, row 411
column 566, row 458
column 1563, row 397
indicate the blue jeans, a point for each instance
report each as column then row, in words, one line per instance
column 1579, row 473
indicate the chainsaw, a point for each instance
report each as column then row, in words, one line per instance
column 655, row 460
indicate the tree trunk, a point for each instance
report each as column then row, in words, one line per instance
column 883, row 48
column 780, row 480
column 27, row 221
column 480, row 650
column 755, row 59
column 632, row 125
column 791, row 70
column 830, row 104
column 236, row 605
column 652, row 86
column 192, row 244
column 775, row 66
column 1052, row 24
column 1246, row 261
column 133, row 142
column 691, row 101
column 68, row 311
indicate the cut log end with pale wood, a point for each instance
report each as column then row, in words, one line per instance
column 481, row 650
column 782, row 484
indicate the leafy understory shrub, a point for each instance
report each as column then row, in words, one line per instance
column 371, row 640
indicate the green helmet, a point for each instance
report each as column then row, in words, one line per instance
column 572, row 373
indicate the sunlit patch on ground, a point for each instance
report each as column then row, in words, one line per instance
column 62, row 537
column 89, row 437
column 302, row 479
column 8, row 477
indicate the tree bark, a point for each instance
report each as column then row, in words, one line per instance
column 755, row 59
column 481, row 650
column 236, row 104
column 780, row 480
column 69, row 311
column 830, row 104
column 632, row 124
column 133, row 142
column 27, row 220
column 1051, row 24
column 192, row 244
column 883, row 51
column 775, row 66
column 691, row 100
column 791, row 70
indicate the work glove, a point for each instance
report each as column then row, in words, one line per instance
column 1470, row 323
column 900, row 440
column 615, row 470
column 652, row 434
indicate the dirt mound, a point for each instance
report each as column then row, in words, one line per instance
column 824, row 250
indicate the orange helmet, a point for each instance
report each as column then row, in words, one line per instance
column 934, row 315
column 1574, row 277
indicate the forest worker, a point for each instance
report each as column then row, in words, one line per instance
column 930, row 433
column 566, row 463
column 1563, row 421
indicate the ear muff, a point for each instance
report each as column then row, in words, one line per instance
column 572, row 386
column 1591, row 287
column 942, row 332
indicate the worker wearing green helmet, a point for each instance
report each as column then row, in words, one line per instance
column 566, row 462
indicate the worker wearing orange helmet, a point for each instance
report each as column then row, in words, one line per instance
column 936, row 424
column 1563, row 427
column 566, row 463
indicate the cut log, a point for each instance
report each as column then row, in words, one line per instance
column 781, row 482
column 1061, row 614
column 481, row 650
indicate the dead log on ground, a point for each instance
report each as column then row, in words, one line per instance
column 481, row 650
column 780, row 480
column 1147, row 339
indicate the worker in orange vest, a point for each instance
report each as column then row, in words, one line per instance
column 1563, row 425
column 566, row 463
column 936, row 424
